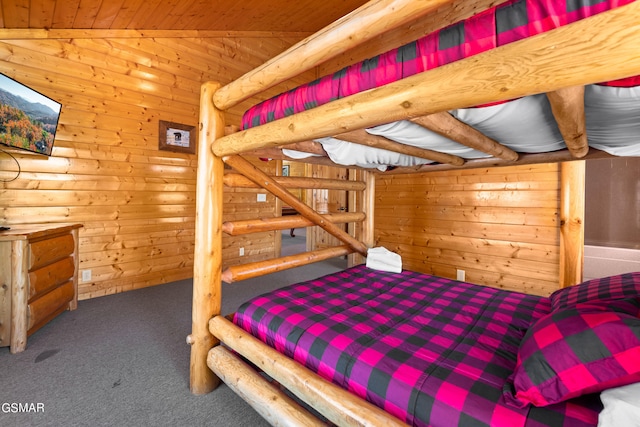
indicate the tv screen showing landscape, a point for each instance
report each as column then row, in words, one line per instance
column 28, row 119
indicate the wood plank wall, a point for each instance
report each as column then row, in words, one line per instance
column 499, row 225
column 242, row 204
column 137, row 204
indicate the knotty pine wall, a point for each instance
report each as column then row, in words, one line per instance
column 499, row 225
column 136, row 203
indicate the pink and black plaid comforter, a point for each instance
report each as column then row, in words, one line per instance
column 429, row 350
column 506, row 23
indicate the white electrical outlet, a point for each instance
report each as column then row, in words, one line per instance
column 241, row 251
column 86, row 275
column 460, row 275
column 262, row 197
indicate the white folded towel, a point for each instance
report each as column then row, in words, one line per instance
column 383, row 259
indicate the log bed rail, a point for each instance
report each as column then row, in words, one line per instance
column 559, row 63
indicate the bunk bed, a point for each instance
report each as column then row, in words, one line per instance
column 370, row 346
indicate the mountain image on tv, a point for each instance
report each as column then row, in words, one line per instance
column 25, row 121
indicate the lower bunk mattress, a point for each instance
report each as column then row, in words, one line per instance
column 429, row 350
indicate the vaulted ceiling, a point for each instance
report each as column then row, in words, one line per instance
column 217, row 15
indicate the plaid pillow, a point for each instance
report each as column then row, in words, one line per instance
column 604, row 289
column 583, row 349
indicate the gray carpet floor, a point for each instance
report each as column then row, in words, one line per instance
column 122, row 360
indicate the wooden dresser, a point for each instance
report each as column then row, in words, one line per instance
column 38, row 278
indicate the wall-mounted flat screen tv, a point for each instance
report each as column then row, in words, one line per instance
column 28, row 119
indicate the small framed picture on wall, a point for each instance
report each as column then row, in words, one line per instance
column 177, row 137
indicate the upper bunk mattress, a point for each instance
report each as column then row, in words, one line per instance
column 429, row 350
column 500, row 25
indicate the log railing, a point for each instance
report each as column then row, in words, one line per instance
column 368, row 21
column 236, row 228
column 271, row 185
column 308, row 217
column 240, row 181
column 260, row 268
column 267, row 398
column 337, row 405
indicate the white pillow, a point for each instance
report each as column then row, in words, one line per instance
column 621, row 407
column 383, row 259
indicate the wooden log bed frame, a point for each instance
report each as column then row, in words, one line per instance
column 559, row 62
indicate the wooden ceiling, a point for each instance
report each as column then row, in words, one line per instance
column 213, row 15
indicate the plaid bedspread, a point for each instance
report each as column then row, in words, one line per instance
column 429, row 350
column 500, row 25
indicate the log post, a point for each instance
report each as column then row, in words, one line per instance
column 19, row 295
column 572, row 178
column 367, row 204
column 567, row 105
column 207, row 263
column 76, row 261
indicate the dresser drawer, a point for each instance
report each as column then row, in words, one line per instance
column 50, row 276
column 46, row 251
column 49, row 305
